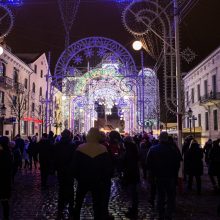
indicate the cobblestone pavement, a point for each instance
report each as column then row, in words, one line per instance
column 29, row 202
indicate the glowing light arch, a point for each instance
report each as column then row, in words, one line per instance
column 87, row 48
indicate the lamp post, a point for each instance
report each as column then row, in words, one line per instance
column 194, row 126
column 3, row 113
column 190, row 115
column 137, row 45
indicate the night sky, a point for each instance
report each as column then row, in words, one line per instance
column 38, row 27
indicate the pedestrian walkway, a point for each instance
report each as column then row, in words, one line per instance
column 29, row 202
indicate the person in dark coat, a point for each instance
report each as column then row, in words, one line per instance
column 144, row 148
column 185, row 148
column 51, row 137
column 163, row 161
column 19, row 144
column 63, row 160
column 206, row 149
column 44, row 150
column 116, row 150
column 193, row 164
column 214, row 165
column 33, row 151
column 131, row 174
column 93, row 170
column 5, row 175
column 17, row 157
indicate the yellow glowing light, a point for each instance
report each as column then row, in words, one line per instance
column 1, row 50
column 137, row 45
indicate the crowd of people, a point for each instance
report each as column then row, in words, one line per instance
column 91, row 161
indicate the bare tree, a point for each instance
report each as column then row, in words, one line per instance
column 46, row 119
column 41, row 115
column 18, row 104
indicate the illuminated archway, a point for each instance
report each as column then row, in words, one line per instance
column 95, row 72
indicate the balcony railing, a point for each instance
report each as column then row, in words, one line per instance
column 6, row 82
column 210, row 97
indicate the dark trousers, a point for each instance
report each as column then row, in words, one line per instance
column 26, row 163
column 5, row 207
column 134, row 196
column 33, row 158
column 44, row 172
column 144, row 169
column 212, row 178
column 153, row 188
column 198, row 183
column 166, row 188
column 106, row 196
column 100, row 197
column 65, row 194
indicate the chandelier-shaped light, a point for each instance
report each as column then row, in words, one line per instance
column 68, row 11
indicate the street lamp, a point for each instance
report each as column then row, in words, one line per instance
column 190, row 114
column 1, row 50
column 192, row 118
column 3, row 114
column 137, row 45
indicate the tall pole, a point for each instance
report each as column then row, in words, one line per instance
column 190, row 126
column 178, row 83
column 142, row 69
column 2, row 126
column 47, row 93
column 194, row 126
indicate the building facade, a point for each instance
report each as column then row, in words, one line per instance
column 202, row 96
column 23, row 93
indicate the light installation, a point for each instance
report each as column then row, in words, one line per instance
column 6, row 20
column 123, row 1
column 151, row 99
column 12, row 2
column 68, row 10
column 99, row 80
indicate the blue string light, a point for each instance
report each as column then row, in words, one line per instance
column 12, row 2
column 123, row 1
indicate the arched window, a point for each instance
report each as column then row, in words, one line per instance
column 33, row 107
column 15, row 76
column 40, row 93
column 2, row 69
column 33, row 88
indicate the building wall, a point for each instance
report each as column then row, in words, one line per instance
column 58, row 123
column 209, row 99
column 38, row 77
column 31, row 119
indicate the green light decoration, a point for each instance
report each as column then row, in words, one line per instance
column 98, row 73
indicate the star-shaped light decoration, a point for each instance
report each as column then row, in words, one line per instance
column 94, row 41
column 101, row 52
column 114, row 58
column 188, row 55
column 78, row 59
column 71, row 70
column 118, row 53
column 89, row 53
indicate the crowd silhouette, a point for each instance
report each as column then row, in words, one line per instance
column 91, row 161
